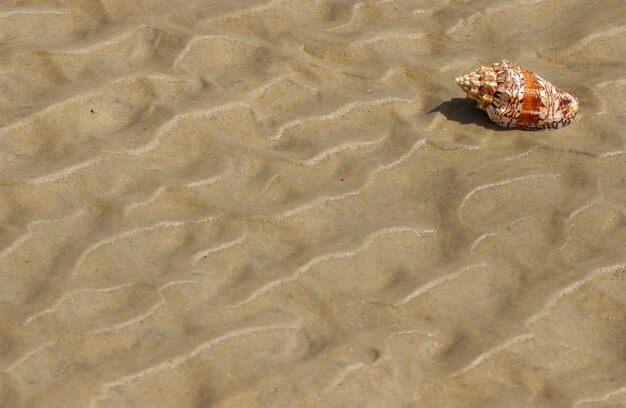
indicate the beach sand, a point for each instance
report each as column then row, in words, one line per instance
column 290, row 203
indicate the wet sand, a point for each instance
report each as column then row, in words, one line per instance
column 291, row 204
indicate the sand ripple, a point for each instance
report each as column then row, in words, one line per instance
column 286, row 203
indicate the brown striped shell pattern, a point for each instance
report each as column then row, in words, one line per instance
column 515, row 97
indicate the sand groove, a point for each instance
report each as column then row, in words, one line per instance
column 286, row 203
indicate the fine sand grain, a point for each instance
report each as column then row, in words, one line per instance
column 290, row 203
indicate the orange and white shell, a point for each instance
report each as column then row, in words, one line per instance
column 515, row 97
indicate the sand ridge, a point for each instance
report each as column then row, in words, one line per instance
column 290, row 203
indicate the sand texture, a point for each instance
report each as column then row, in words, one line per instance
column 290, row 203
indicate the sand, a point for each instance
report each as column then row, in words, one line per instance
column 291, row 204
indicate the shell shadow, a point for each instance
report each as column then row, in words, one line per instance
column 463, row 111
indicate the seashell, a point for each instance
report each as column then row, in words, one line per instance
column 515, row 97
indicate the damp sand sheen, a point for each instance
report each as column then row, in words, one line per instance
column 287, row 203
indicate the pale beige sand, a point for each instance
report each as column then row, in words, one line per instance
column 289, row 204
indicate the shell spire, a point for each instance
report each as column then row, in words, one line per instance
column 480, row 85
column 515, row 97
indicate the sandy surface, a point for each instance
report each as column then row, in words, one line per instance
column 290, row 204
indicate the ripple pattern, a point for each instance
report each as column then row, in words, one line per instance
column 284, row 203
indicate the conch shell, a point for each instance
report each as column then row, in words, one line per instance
column 515, row 97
